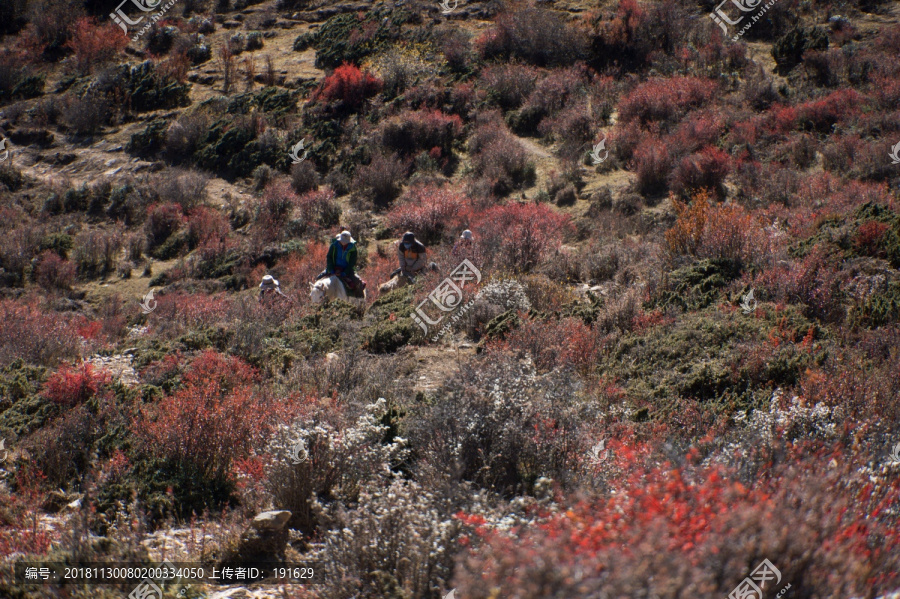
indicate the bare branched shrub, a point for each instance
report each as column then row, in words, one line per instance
column 227, row 64
column 400, row 67
column 184, row 187
column 18, row 245
column 534, row 34
column 336, row 464
column 183, row 135
column 491, row 426
column 619, row 311
column 398, row 541
column 380, row 181
column 85, row 115
column 95, row 252
column 249, row 72
column 304, row 177
column 356, row 376
column 498, row 157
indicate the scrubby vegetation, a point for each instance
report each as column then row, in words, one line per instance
column 675, row 357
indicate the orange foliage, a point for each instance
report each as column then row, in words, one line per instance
column 94, row 44
column 685, row 236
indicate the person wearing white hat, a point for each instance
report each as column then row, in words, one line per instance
column 269, row 287
column 341, row 262
column 464, row 245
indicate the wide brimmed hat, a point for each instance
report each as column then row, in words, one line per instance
column 346, row 237
column 269, row 281
column 467, row 234
column 409, row 237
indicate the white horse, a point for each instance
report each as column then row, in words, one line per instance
column 331, row 288
column 400, row 281
column 396, row 282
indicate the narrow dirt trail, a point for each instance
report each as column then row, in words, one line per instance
column 435, row 364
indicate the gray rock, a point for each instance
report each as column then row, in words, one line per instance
column 271, row 521
column 264, row 541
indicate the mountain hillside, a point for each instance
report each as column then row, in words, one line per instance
column 661, row 362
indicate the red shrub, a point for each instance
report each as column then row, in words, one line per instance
column 182, row 311
column 303, row 269
column 162, row 221
column 35, row 333
column 207, row 226
column 518, row 236
column 70, row 386
column 868, row 236
column 413, row 131
column 705, row 169
column 348, row 85
column 651, row 163
column 319, row 208
column 554, row 343
column 276, row 205
column 717, row 231
column 95, row 44
column 781, row 119
column 701, row 128
column 214, row 418
column 672, row 527
column 836, row 107
column 555, row 92
column 430, row 212
column 665, row 100
column 52, row 272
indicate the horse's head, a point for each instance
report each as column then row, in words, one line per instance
column 316, row 292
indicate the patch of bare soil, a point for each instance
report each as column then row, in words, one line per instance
column 435, row 364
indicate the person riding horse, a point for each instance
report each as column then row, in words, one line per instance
column 341, row 262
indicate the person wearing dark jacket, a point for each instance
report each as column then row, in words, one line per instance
column 411, row 254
